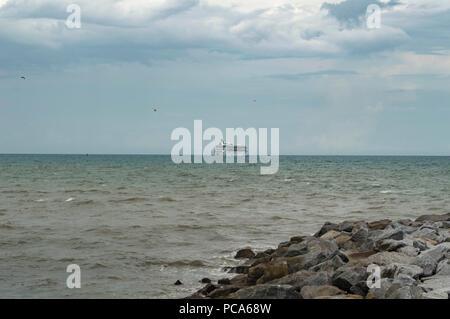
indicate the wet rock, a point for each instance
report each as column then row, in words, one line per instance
column 178, row 282
column 239, row 280
column 224, row 281
column 284, row 244
column 267, row 291
column 297, row 239
column 205, row 280
column 207, row 289
column 244, row 253
column 311, row 292
column 237, row 269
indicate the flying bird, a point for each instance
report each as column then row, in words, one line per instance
column 154, row 109
column 22, row 77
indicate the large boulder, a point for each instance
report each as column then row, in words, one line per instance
column 351, row 279
column 430, row 258
column 244, row 253
column 436, row 287
column 319, row 250
column 263, row 273
column 396, row 269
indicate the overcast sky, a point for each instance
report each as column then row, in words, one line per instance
column 329, row 83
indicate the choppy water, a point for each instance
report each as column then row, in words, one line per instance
column 136, row 224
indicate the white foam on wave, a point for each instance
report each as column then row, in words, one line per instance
column 69, row 199
column 386, row 191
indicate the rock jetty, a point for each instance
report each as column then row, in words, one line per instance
column 384, row 259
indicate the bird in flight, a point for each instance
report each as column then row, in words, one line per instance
column 22, row 77
column 154, row 109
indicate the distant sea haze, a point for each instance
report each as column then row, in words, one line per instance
column 136, row 224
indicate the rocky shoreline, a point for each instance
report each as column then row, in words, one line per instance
column 410, row 258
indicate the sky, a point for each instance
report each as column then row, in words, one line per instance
column 311, row 68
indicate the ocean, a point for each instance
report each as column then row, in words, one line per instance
column 135, row 224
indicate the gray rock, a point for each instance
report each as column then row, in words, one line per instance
column 380, row 293
column 434, row 218
column 436, row 286
column 326, row 228
column 360, row 236
column 304, row 278
column 346, row 277
column 390, row 245
column 319, row 251
column 330, row 265
column 245, row 253
column 443, row 268
column 426, row 232
column 267, row 291
column 397, row 291
column 388, row 257
column 397, row 269
column 409, row 250
column 436, row 294
column 346, row 226
column 420, row 244
column 404, row 280
column 284, row 244
column 429, row 259
column 311, row 292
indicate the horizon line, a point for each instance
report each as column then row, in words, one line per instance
column 161, row 154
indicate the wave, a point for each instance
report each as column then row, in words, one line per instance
column 166, row 199
column 129, row 200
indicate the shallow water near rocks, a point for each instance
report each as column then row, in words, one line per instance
column 136, row 224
